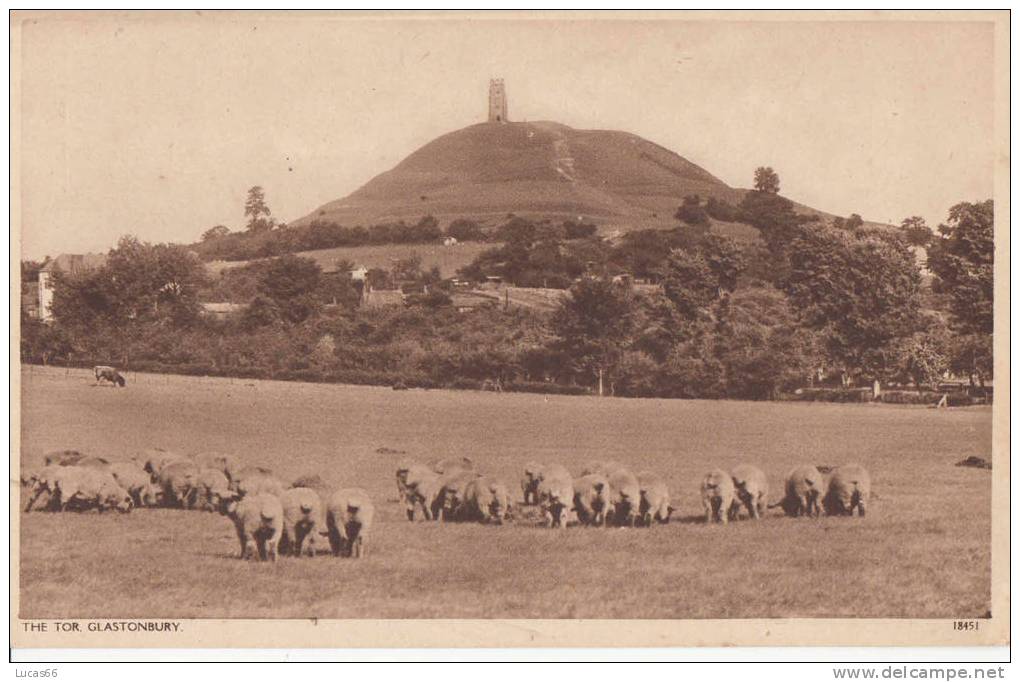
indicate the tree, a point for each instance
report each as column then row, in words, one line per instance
column 292, row 285
column 861, row 293
column 766, row 180
column 962, row 260
column 592, row 325
column 464, row 230
column 688, row 282
column 260, row 218
column 215, row 232
column 916, row 231
column 691, row 212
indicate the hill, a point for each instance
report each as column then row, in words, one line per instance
column 545, row 169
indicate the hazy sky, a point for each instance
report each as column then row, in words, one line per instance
column 158, row 127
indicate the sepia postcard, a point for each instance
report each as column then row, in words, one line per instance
column 510, row 329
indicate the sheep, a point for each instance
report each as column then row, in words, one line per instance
column 157, row 459
column 530, row 479
column 39, row 489
column 592, row 499
column 258, row 520
column 556, row 495
column 63, row 457
column 403, row 466
column 94, row 463
column 136, row 482
column 423, row 487
column 849, row 488
column 179, row 483
column 255, row 481
column 655, row 504
column 750, row 489
column 451, row 499
column 624, row 498
column 804, row 490
column 349, row 515
column 605, row 468
column 302, row 509
column 85, row 488
column 212, row 490
column 487, row 500
column 717, row 495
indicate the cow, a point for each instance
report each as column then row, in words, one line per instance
column 106, row 373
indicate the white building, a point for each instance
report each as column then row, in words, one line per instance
column 67, row 263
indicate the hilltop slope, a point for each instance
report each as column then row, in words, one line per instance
column 487, row 170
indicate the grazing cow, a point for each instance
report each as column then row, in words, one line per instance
column 179, row 482
column 63, row 458
column 487, row 500
column 556, row 495
column 805, row 488
column 423, row 487
column 302, row 509
column 717, row 495
column 655, row 504
column 624, row 498
column 592, row 499
column 452, row 494
column 349, row 515
column 530, row 479
column 105, row 373
column 136, row 482
column 258, row 520
column 849, row 489
column 85, row 488
column 750, row 490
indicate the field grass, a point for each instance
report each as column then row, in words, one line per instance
column 923, row 550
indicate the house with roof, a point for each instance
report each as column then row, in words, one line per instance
column 67, row 263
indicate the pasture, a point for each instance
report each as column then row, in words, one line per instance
column 923, row 550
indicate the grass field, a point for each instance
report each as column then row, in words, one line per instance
column 923, row 550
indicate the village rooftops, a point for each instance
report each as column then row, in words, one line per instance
column 73, row 263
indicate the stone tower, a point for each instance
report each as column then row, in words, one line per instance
column 497, row 101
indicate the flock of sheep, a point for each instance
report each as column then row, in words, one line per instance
column 607, row 493
column 270, row 517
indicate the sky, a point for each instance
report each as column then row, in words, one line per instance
column 157, row 126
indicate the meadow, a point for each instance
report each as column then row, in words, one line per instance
column 923, row 551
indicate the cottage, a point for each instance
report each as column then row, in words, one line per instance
column 67, row 263
column 380, row 298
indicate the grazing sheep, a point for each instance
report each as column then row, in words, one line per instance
column 256, row 482
column 212, row 490
column 530, row 479
column 849, row 489
column 94, row 463
column 259, row 523
column 655, row 504
column 136, row 482
column 592, row 499
column 805, row 488
column 179, row 483
column 63, row 458
column 302, row 509
column 717, row 495
column 750, row 489
column 87, row 488
column 624, row 498
column 155, row 460
column 487, row 500
column 423, row 487
column 605, row 468
column 349, row 517
column 451, row 499
column 39, row 488
column 556, row 495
